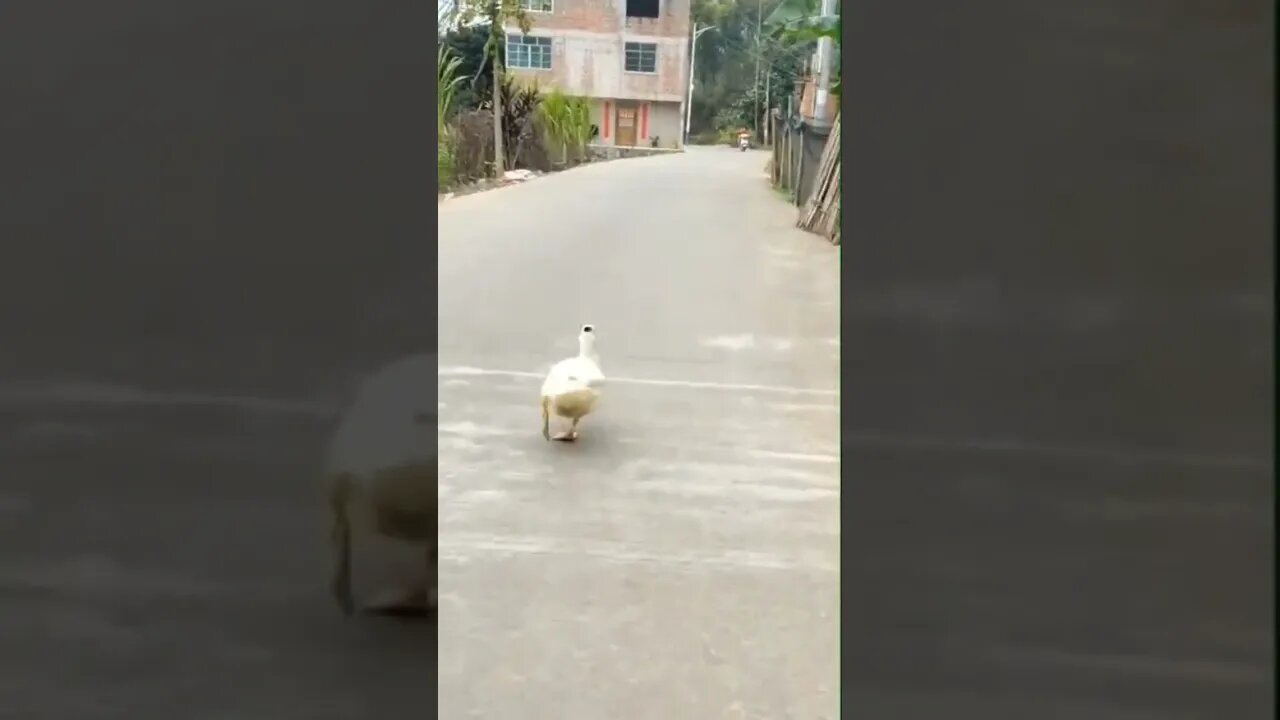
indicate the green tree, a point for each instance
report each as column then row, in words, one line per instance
column 743, row 70
column 498, row 13
column 468, row 44
column 800, row 22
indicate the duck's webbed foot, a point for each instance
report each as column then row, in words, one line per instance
column 570, row 435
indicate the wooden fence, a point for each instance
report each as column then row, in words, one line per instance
column 821, row 213
column 806, row 165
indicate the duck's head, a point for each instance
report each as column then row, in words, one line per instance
column 586, row 339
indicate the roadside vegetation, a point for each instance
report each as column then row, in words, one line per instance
column 489, row 123
column 750, row 63
column 747, row 66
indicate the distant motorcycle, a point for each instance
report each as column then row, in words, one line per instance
column 744, row 142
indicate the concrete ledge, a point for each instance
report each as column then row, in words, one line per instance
column 616, row 152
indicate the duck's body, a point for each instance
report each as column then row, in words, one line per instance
column 572, row 387
column 382, row 478
column 575, row 404
column 398, row 502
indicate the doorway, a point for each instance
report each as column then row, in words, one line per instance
column 626, row 125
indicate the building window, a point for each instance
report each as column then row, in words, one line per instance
column 641, row 57
column 538, row 6
column 643, row 8
column 531, row 53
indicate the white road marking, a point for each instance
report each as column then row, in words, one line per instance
column 804, row 457
column 748, row 342
column 460, row 371
column 461, row 548
column 802, row 407
column 78, row 394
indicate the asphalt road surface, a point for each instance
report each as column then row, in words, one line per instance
column 681, row 559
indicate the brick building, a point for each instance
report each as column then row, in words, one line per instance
column 629, row 57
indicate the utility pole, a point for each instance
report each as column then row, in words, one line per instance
column 825, row 48
column 496, row 35
column 755, row 89
column 693, row 56
column 768, row 124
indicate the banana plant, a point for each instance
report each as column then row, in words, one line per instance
column 791, row 11
column 566, row 120
column 580, row 124
column 448, row 79
column 800, row 21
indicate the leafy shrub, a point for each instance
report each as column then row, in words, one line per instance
column 706, row 137
column 566, row 125
column 472, row 133
column 519, row 111
column 448, row 80
column 728, row 135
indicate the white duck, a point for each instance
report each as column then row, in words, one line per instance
column 572, row 387
column 381, row 477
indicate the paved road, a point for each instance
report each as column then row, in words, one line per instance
column 680, row 560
